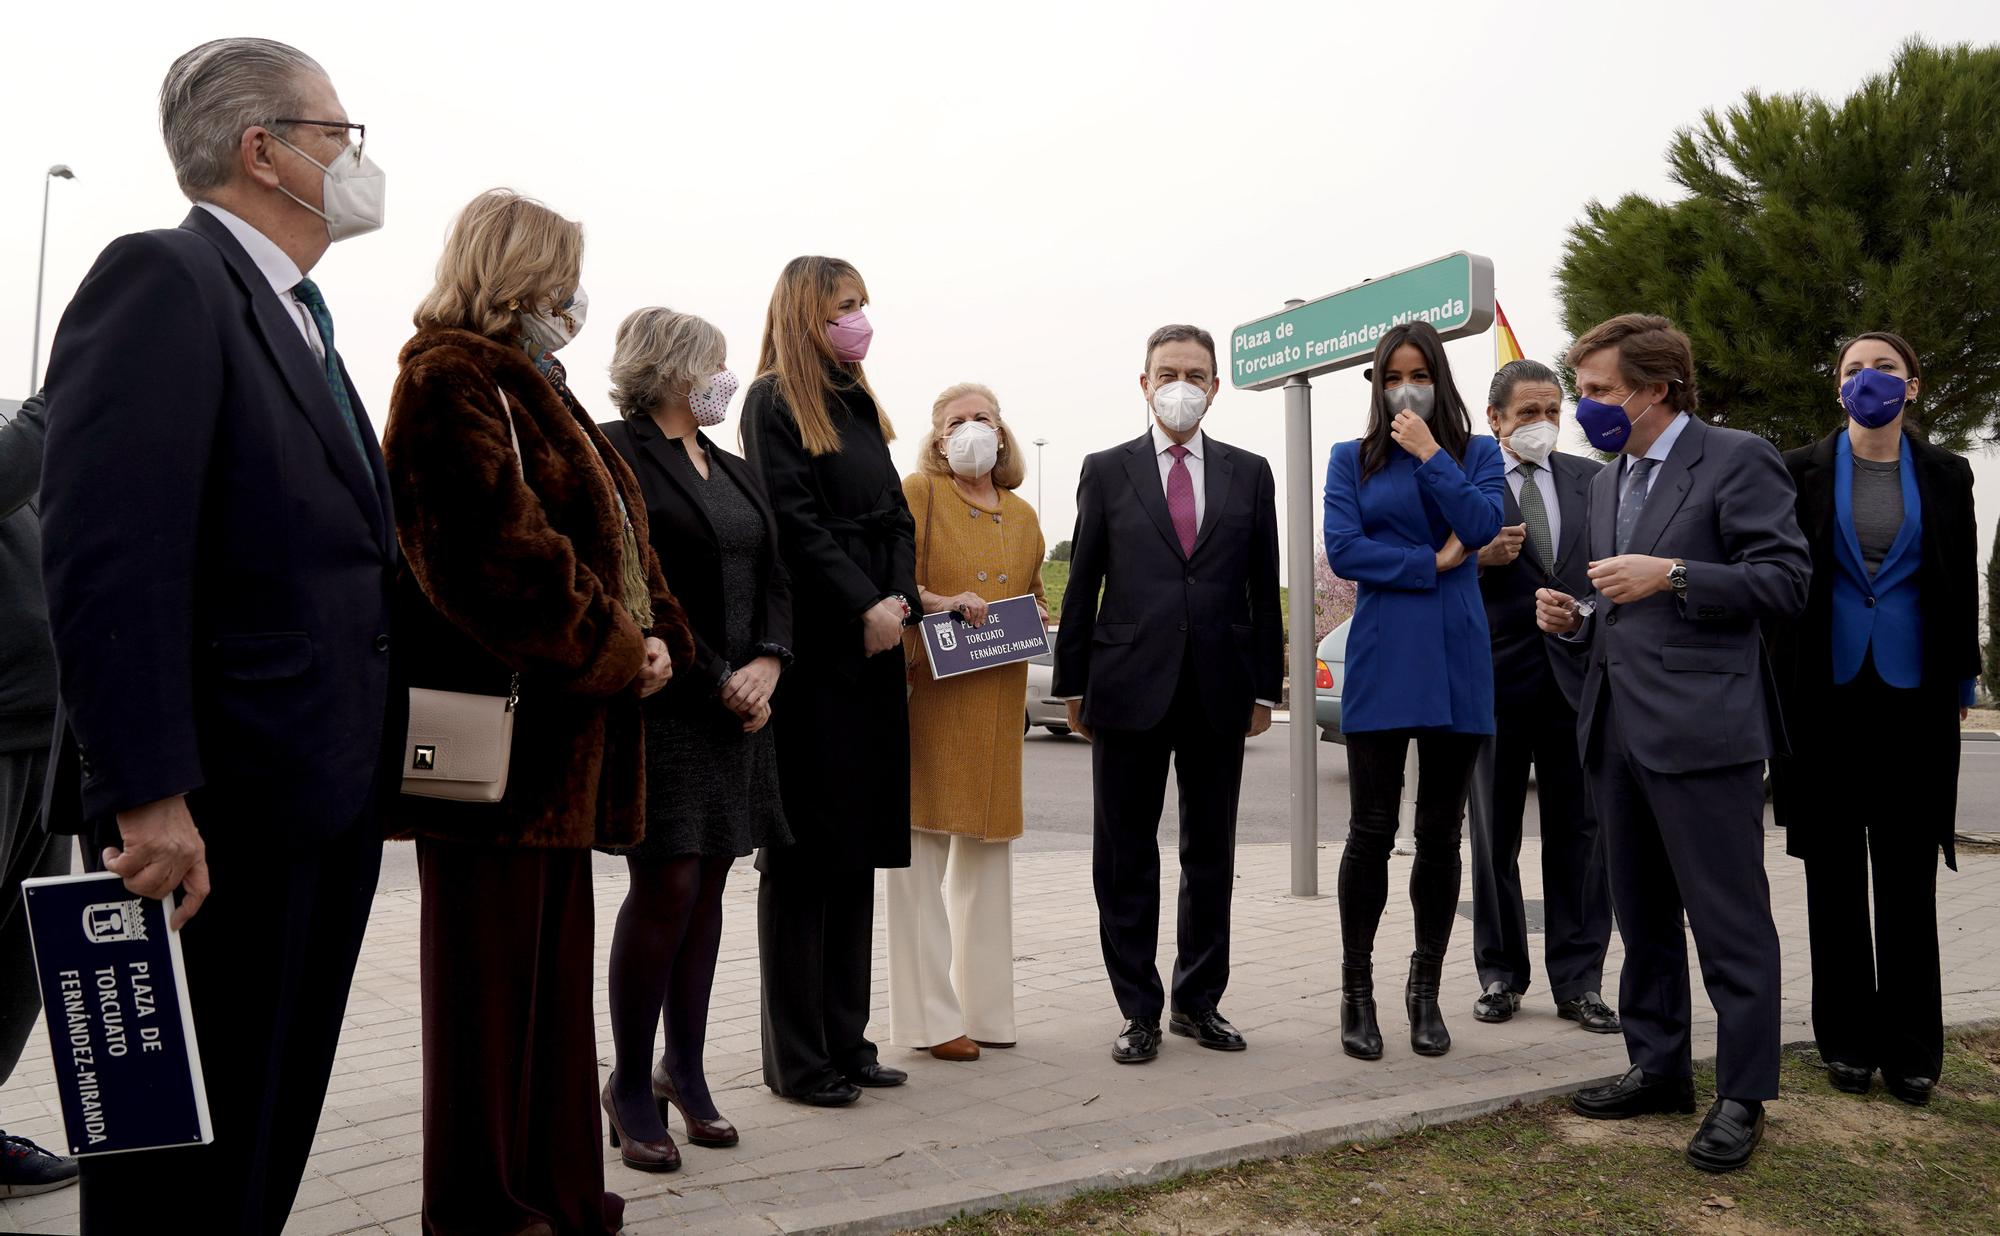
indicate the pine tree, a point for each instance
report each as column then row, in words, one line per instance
column 1806, row 221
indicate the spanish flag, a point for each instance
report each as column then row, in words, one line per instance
column 1506, row 348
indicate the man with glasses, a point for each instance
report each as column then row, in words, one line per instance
column 218, row 549
column 1692, row 547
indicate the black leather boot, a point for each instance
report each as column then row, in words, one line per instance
column 1360, row 1037
column 1428, row 1037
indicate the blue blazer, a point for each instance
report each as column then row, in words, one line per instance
column 1881, row 612
column 1418, row 654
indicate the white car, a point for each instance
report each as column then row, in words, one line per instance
column 1044, row 709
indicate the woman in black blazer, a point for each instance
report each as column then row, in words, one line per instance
column 812, row 430
column 711, row 765
column 1879, row 667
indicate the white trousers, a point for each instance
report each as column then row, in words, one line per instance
column 951, row 942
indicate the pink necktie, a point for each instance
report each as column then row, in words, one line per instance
column 1180, row 498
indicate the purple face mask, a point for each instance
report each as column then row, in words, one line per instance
column 849, row 335
column 1874, row 398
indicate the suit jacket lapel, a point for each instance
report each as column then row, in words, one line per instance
column 1144, row 472
column 658, row 451
column 1573, row 501
column 1667, row 490
column 1816, row 492
column 1215, row 473
column 1604, row 510
column 301, row 371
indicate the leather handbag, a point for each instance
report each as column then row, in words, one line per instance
column 460, row 743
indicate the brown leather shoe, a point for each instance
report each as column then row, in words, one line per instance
column 717, row 1134
column 660, row 1156
column 959, row 1049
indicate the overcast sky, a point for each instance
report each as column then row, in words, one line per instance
column 1028, row 188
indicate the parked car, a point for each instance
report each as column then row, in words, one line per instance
column 1044, row 709
column 1329, row 671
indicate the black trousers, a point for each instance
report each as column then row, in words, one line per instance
column 26, row 852
column 1576, row 901
column 1686, row 850
column 1877, row 1003
column 815, row 953
column 1129, row 775
column 269, row 958
column 1375, row 801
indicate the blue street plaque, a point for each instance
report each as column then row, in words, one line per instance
column 114, row 995
column 1013, row 632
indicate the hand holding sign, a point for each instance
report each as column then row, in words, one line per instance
column 162, row 851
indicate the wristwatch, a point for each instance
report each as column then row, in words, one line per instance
column 1677, row 579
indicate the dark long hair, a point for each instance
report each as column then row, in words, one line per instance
column 1450, row 424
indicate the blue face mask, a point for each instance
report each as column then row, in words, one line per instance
column 1874, row 398
column 1606, row 424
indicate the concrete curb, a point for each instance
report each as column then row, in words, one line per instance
column 1369, row 1120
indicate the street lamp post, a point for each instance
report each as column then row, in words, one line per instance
column 41, row 265
column 1039, row 444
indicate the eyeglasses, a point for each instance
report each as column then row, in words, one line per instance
column 359, row 141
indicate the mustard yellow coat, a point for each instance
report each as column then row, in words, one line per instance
column 965, row 732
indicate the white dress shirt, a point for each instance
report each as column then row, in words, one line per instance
column 280, row 270
column 1545, row 481
column 1195, row 448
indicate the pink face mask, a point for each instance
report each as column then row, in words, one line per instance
column 849, row 335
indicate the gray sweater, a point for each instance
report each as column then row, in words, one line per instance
column 27, row 657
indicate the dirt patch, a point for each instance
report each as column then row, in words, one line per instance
column 1981, row 719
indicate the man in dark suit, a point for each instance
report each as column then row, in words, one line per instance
column 1180, row 658
column 218, row 550
column 1693, row 546
column 1536, row 682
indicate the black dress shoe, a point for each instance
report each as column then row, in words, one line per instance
column 877, row 1076
column 1208, row 1029
column 1633, row 1095
column 1727, row 1135
column 833, row 1094
column 1496, row 1003
column 1916, row 1091
column 1591, row 1013
column 1849, row 1077
column 1137, row 1043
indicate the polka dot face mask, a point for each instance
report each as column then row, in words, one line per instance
column 711, row 405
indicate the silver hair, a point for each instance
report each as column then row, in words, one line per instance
column 215, row 92
column 661, row 353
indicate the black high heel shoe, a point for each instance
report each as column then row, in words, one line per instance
column 660, row 1156
column 717, row 1134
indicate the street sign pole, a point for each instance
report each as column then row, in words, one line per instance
column 1299, row 554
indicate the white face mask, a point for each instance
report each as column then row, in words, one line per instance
column 551, row 330
column 1180, row 405
column 711, row 405
column 352, row 192
column 1533, row 442
column 972, row 449
column 1411, row 397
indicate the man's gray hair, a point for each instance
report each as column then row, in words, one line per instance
column 215, row 92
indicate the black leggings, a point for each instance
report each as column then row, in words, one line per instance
column 1375, row 792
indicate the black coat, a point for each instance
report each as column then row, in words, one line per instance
column 1523, row 656
column 1807, row 787
column 1123, row 653
column 841, row 718
column 218, row 554
column 678, row 523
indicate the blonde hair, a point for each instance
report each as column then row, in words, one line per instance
column 1009, row 469
column 660, row 354
column 796, row 352
column 506, row 254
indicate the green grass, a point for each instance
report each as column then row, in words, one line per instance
column 1830, row 1163
column 1055, row 581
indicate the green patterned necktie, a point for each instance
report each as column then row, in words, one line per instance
column 308, row 293
column 1536, row 516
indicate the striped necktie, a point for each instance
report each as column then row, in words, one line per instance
column 1633, row 503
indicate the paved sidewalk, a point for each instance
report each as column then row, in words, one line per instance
column 1046, row 1118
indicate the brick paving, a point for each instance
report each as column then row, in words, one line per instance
column 1053, row 1115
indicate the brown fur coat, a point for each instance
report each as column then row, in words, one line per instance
column 507, row 574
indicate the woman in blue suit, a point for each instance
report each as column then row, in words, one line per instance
column 1408, row 507
column 1882, row 660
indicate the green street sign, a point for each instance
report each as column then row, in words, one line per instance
column 1454, row 294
